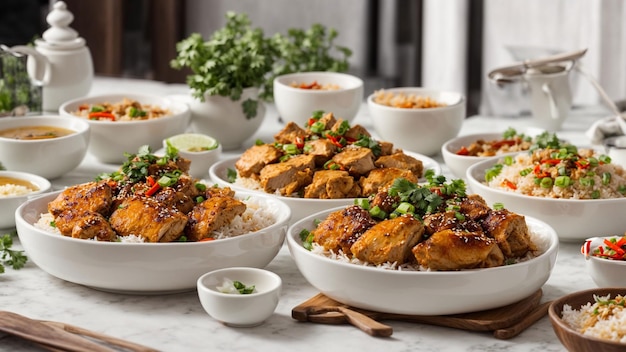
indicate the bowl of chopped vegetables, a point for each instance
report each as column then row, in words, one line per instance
column 605, row 260
column 578, row 191
column 240, row 297
column 121, row 123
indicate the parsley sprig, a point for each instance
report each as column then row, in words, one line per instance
column 13, row 258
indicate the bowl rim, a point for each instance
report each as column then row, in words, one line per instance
column 29, row 120
column 295, row 242
column 481, row 166
column 276, row 279
column 228, row 161
column 44, row 185
column 184, row 111
column 556, row 317
column 282, row 219
column 356, row 82
column 460, row 103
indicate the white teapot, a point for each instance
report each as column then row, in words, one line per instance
column 60, row 62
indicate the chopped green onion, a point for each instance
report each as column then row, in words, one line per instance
column 492, row 172
column 317, row 127
column 604, row 158
column 364, row 203
column 595, row 194
column 498, row 206
column 405, row 208
column 508, row 160
column 606, row 178
column 525, row 172
column 377, row 212
column 562, row 181
column 97, row 108
column 546, row 182
column 200, row 186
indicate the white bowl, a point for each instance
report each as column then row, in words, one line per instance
column 423, row 292
column 573, row 220
column 49, row 158
column 110, row 140
column 240, row 310
column 604, row 272
column 297, row 104
column 8, row 204
column 201, row 161
column 419, row 130
column 145, row 267
column 458, row 164
column 300, row 207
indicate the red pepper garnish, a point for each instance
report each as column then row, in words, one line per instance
column 582, row 164
column 155, row 187
column 101, row 115
column 614, row 247
column 334, row 140
column 510, row 184
column 311, row 121
column 206, row 239
column 83, row 107
column 299, row 142
column 462, row 151
column 308, row 86
column 150, row 180
column 540, row 173
column 500, row 143
column 551, row 161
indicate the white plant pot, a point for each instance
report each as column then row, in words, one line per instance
column 224, row 118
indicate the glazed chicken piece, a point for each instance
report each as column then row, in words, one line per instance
column 332, row 184
column 173, row 198
column 386, row 148
column 290, row 134
column 289, row 176
column 510, row 231
column 181, row 164
column 357, row 161
column 92, row 196
column 474, row 207
column 255, row 158
column 449, row 220
column 328, row 121
column 211, row 215
column 342, row 228
column 216, row 191
column 84, row 225
column 389, row 241
column 321, row 149
column 401, row 161
column 384, row 201
column 356, row 132
column 187, row 185
column 457, row 249
column 383, row 178
column 148, row 218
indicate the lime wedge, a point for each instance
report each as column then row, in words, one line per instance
column 193, row 142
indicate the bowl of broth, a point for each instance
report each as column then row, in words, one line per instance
column 47, row 146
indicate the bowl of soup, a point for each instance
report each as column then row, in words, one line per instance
column 15, row 188
column 47, row 146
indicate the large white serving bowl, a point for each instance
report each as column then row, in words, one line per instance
column 419, row 130
column 110, row 140
column 146, row 268
column 573, row 219
column 49, row 158
column 300, row 207
column 297, row 104
column 8, row 204
column 458, row 164
column 424, row 292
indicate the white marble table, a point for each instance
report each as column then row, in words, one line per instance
column 178, row 323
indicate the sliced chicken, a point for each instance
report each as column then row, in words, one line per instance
column 332, row 184
column 389, row 241
column 342, row 228
column 92, row 196
column 255, row 158
column 322, row 150
column 357, row 161
column 85, row 225
column 211, row 215
column 510, row 231
column 457, row 249
column 148, row 218
column 380, row 179
column 290, row 134
column 401, row 161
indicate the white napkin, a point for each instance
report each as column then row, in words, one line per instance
column 607, row 127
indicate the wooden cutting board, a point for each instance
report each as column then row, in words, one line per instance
column 505, row 322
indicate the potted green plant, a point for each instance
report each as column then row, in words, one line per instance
column 237, row 64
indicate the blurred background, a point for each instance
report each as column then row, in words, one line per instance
column 445, row 44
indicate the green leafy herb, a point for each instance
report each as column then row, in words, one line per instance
column 307, row 239
column 231, row 175
column 242, row 288
column 13, row 258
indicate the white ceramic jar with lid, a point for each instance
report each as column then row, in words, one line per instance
column 61, row 61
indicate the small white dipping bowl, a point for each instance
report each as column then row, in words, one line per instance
column 458, row 164
column 419, row 130
column 424, row 292
column 240, row 310
column 49, row 158
column 146, row 268
column 604, row 272
column 110, row 140
column 201, row 161
column 8, row 204
column 300, row 207
column 573, row 219
column 298, row 104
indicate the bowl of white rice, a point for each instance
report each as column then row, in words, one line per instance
column 15, row 188
column 402, row 290
column 591, row 320
column 576, row 210
column 131, row 266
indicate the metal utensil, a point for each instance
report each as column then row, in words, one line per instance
column 513, row 72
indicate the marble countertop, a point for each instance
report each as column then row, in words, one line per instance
column 177, row 322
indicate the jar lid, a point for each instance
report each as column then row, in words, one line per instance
column 60, row 35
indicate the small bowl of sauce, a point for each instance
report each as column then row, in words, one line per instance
column 15, row 188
